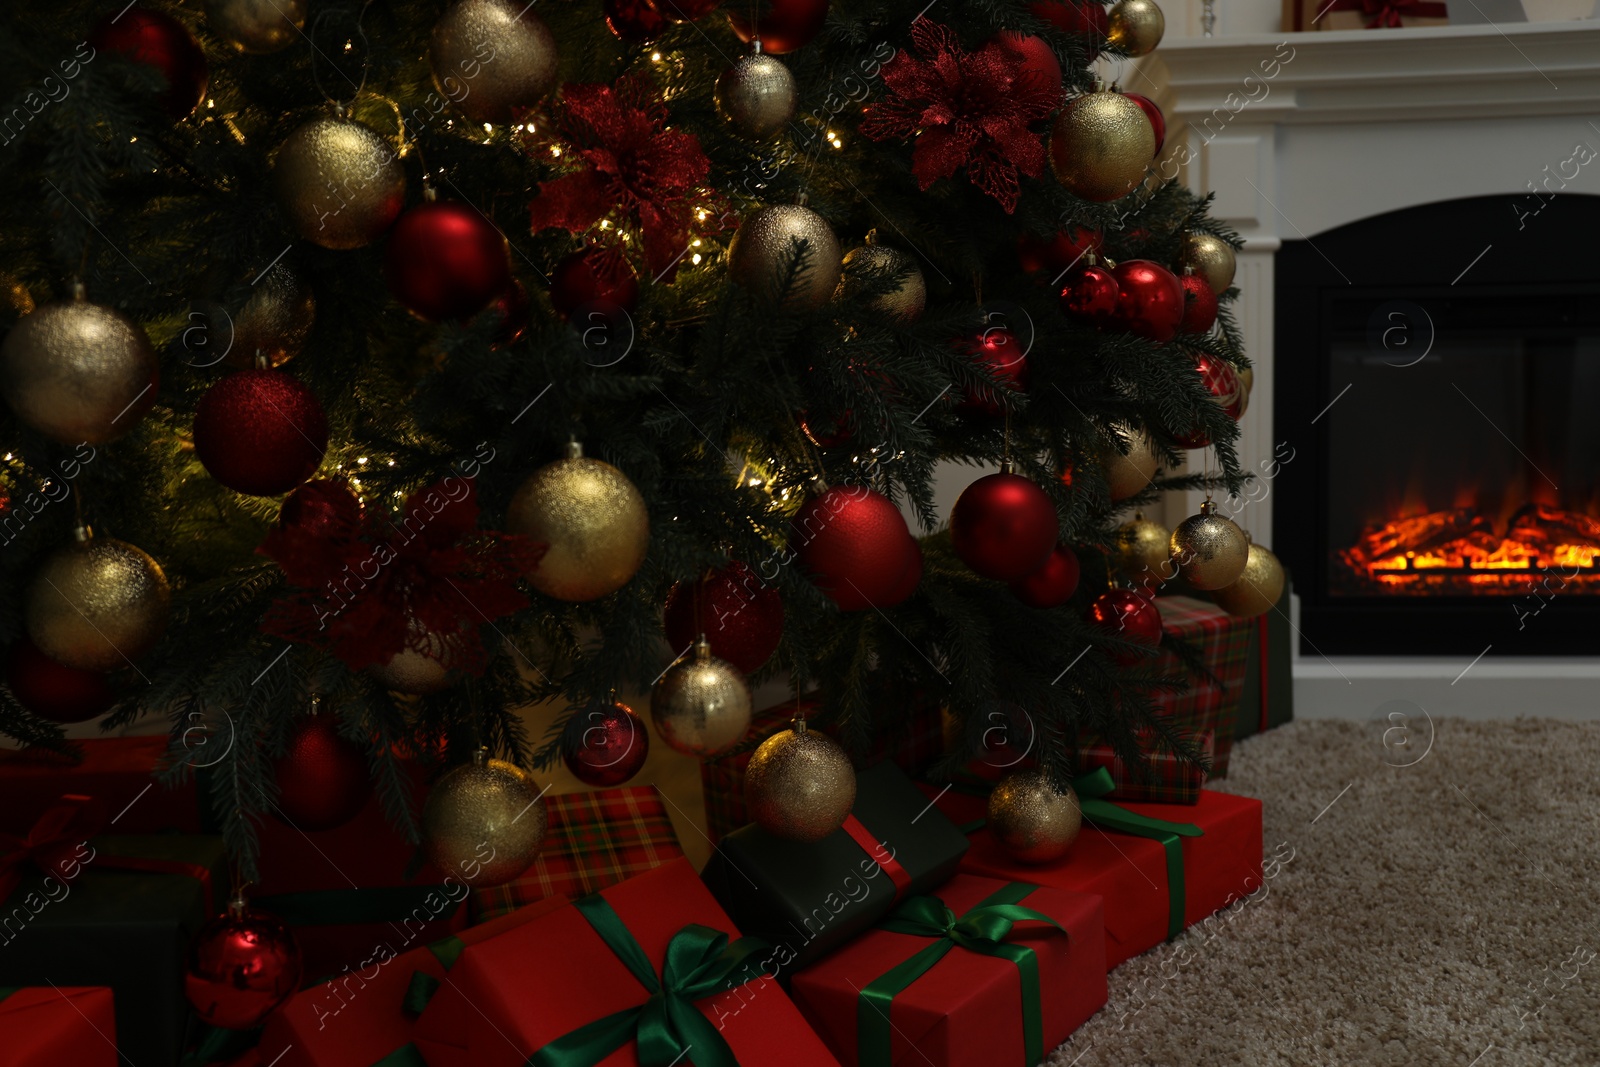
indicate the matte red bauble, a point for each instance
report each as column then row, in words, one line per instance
column 162, row 42
column 1130, row 617
column 322, row 779
column 1150, row 303
column 1070, row 16
column 685, row 10
column 53, row 690
column 1003, row 527
column 1222, row 382
column 740, row 616
column 1158, row 121
column 595, row 279
column 634, row 20
column 1091, row 296
column 1052, row 584
column 260, row 432
column 446, row 261
column 855, row 544
column 1039, row 62
column 605, row 744
column 1055, row 254
column 1200, row 304
column 908, row 581
column 997, row 349
column 241, row 965
column 783, row 25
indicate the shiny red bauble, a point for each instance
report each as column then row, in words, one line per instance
column 53, row 690
column 162, row 42
column 997, row 350
column 1004, row 527
column 1055, row 254
column 741, row 617
column 855, row 544
column 1039, row 63
column 1087, row 17
column 685, row 10
column 1052, row 584
column 446, row 261
column 1091, row 296
column 260, row 432
column 1158, row 121
column 1222, row 382
column 1200, row 305
column 782, row 25
column 594, row 279
column 634, row 20
column 322, row 779
column 1128, row 616
column 1150, row 301
column 605, row 744
column 241, row 965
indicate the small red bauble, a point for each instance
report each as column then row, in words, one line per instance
column 53, row 690
column 446, row 261
column 685, row 10
column 1200, row 304
column 1039, row 62
column 1150, row 303
column 998, row 350
column 241, row 965
column 260, row 432
column 596, row 279
column 1056, row 254
column 1004, row 527
column 1222, row 382
column 855, row 544
column 1158, row 121
column 605, row 744
column 322, row 779
column 1052, row 584
column 1091, row 296
column 908, row 581
column 740, row 616
column 634, row 20
column 1129, row 616
column 1071, row 16
column 511, row 311
column 162, row 42
column 784, row 26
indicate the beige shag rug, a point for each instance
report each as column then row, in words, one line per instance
column 1436, row 910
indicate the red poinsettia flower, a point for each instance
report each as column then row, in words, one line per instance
column 966, row 109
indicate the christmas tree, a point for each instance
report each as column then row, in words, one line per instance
column 416, row 356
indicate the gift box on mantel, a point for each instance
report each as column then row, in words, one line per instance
column 646, row 971
column 47, row 1027
column 989, row 972
column 1224, row 645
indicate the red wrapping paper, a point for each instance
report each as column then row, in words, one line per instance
column 1130, row 872
column 968, row 1008
column 46, row 1027
column 116, row 772
column 510, row 995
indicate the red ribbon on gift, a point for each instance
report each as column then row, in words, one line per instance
column 873, row 848
column 1389, row 12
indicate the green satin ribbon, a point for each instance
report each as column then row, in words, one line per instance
column 404, row 1056
column 668, row 1027
column 423, row 986
column 1092, row 789
column 980, row 930
column 6, row 991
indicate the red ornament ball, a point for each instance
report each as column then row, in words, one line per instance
column 783, row 25
column 1130, row 617
column 740, row 616
column 446, row 261
column 1150, row 302
column 594, row 279
column 1091, row 296
column 322, row 779
column 1200, row 305
column 634, row 20
column 1055, row 254
column 162, row 42
column 1222, row 382
column 241, row 966
column 605, row 744
column 1004, row 527
column 1052, row 584
column 855, row 544
column 685, row 10
column 1039, row 62
column 512, row 313
column 998, row 350
column 53, row 690
column 1158, row 121
column 1087, row 18
column 260, row 432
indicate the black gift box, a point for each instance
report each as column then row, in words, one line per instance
column 810, row 899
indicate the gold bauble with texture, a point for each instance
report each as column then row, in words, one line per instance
column 1033, row 820
column 594, row 521
column 1209, row 550
column 701, row 706
column 98, row 604
column 800, row 784
column 484, row 822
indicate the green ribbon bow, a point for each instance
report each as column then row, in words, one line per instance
column 980, row 930
column 668, row 1027
column 1092, row 789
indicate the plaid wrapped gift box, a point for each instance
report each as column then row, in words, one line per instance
column 1224, row 644
column 595, row 840
column 1171, row 781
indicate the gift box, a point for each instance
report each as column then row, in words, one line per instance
column 1158, row 867
column 1164, row 779
column 594, row 840
column 47, row 1027
column 1208, row 703
column 985, row 972
column 1266, row 698
column 117, row 772
column 914, row 742
column 646, row 962
column 1299, row 15
column 366, row 1016
column 810, row 898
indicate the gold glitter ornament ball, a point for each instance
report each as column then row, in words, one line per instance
column 1144, row 551
column 592, row 518
column 275, row 321
column 1100, row 146
column 1135, row 26
column 418, row 671
column 492, row 57
column 78, row 372
column 701, row 705
column 1128, row 475
column 1212, row 258
column 910, row 293
column 800, row 785
column 257, row 26
column 1258, row 589
column 757, row 95
column 1033, row 820
column 339, row 181
column 762, row 250
column 97, row 604
column 484, row 822
column 1209, row 550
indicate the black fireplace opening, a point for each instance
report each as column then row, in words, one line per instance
column 1438, row 378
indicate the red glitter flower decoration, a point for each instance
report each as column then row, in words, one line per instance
column 965, row 109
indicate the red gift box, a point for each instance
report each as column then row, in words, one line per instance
column 512, row 995
column 1170, row 780
column 967, row 1008
column 1224, row 644
column 117, row 772
column 49, row 1027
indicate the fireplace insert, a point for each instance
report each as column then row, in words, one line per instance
column 1438, row 380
